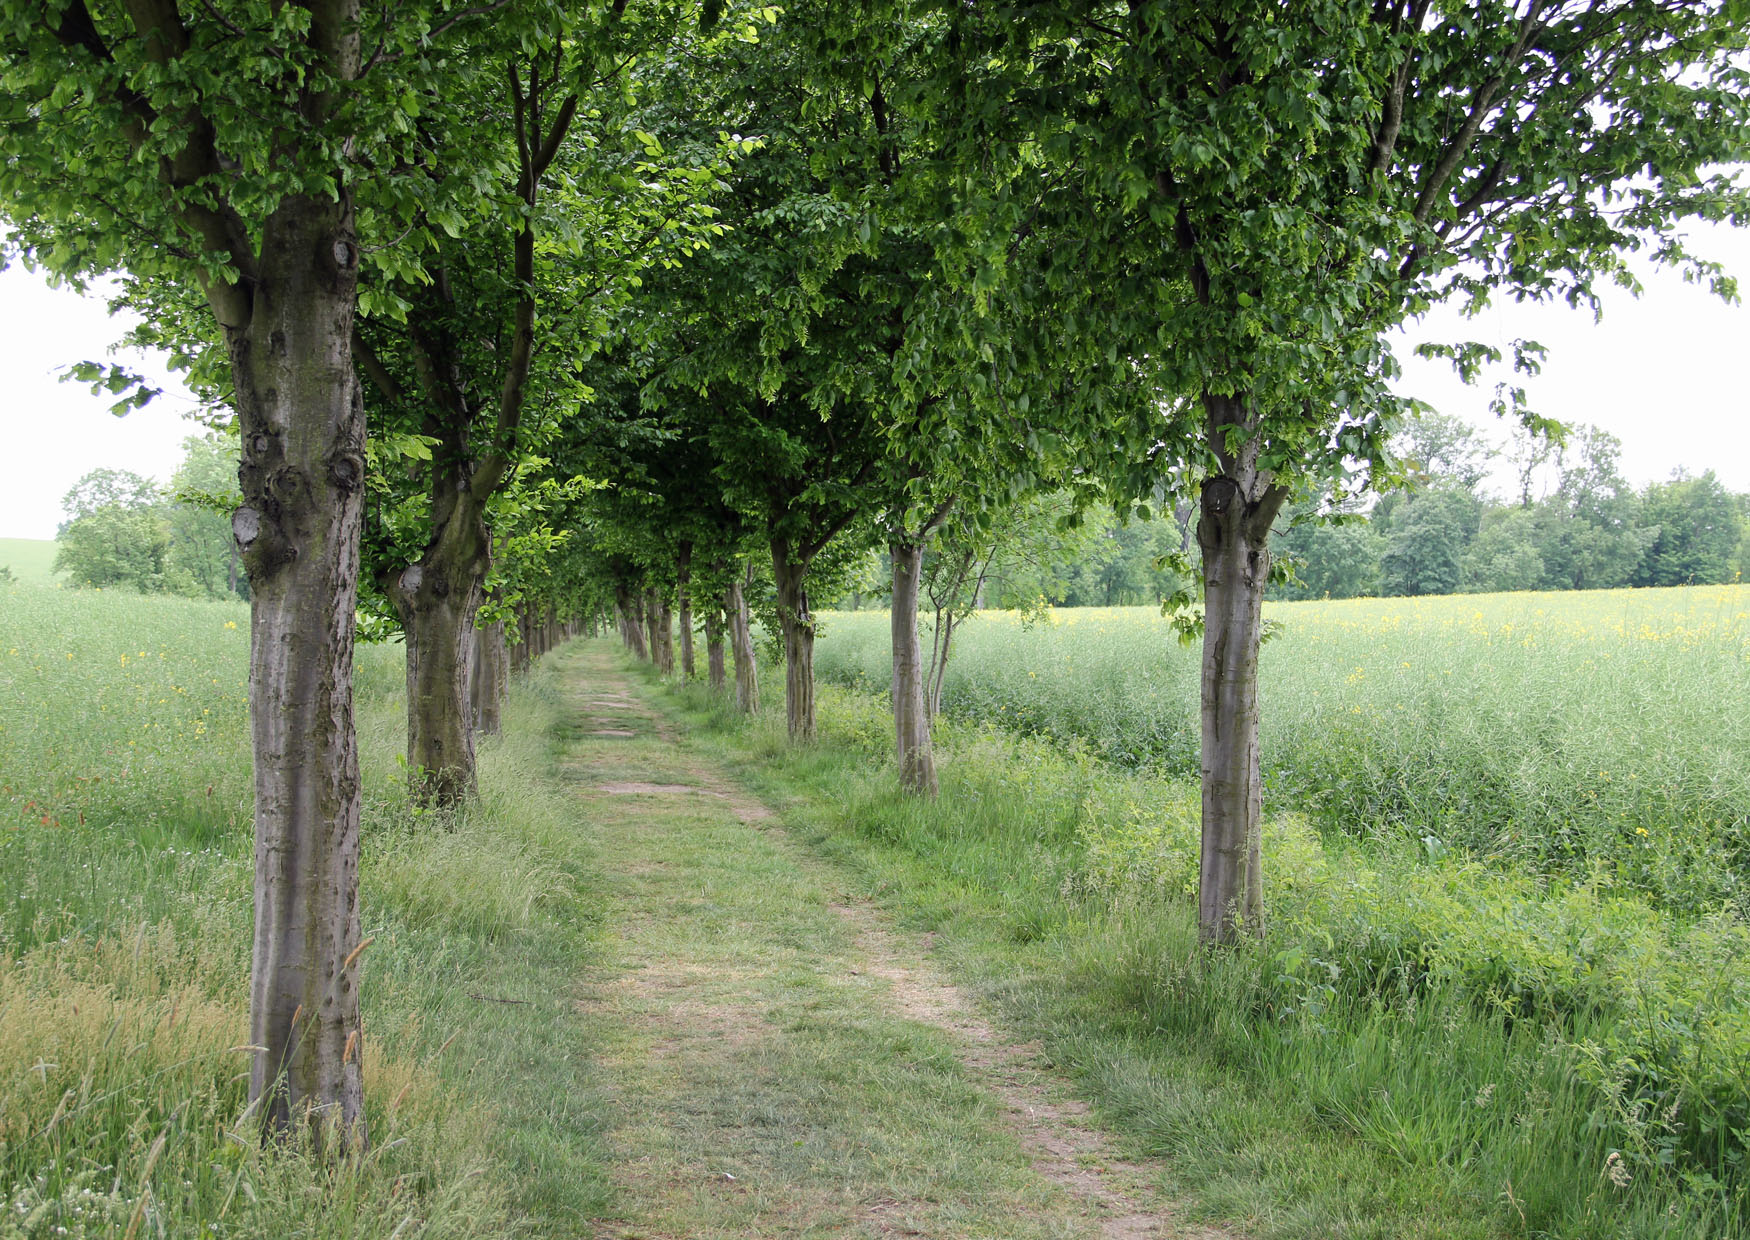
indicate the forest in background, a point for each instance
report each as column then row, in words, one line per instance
column 1569, row 521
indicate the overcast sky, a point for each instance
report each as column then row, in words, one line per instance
column 1665, row 374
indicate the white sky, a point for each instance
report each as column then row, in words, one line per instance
column 1665, row 374
column 55, row 433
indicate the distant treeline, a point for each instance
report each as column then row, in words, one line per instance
column 1573, row 523
column 122, row 531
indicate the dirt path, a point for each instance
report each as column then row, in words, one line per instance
column 786, row 1062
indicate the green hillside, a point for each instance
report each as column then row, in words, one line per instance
column 30, row 559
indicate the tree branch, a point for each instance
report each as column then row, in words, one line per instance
column 382, row 58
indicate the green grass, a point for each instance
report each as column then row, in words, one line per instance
column 1421, row 1049
column 125, row 852
column 1436, row 1041
column 1599, row 734
column 765, row 1081
column 32, row 560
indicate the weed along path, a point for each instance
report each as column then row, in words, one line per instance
column 782, row 1062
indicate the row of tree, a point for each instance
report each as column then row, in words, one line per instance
column 632, row 294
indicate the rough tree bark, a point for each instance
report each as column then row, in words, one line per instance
column 789, row 573
column 911, row 720
column 1239, row 505
column 489, row 680
column 747, row 679
column 714, row 666
column 684, row 589
column 301, row 418
column 653, row 648
column 664, row 636
column 437, row 598
column 627, row 605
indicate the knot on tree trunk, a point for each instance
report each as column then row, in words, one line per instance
column 347, row 469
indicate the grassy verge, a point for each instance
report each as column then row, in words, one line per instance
column 30, row 560
column 1355, row 1077
column 1594, row 734
column 770, row 1071
column 124, row 938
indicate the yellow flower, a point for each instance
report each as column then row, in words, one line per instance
column 230, row 624
column 1640, row 830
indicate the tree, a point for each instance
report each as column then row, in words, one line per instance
column 1591, row 532
column 1333, row 555
column 589, row 202
column 1426, row 541
column 115, row 535
column 1438, row 445
column 1277, row 187
column 106, row 488
column 202, row 559
column 1505, row 554
column 758, row 330
column 225, row 155
column 1698, row 531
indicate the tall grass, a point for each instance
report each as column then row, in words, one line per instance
column 31, row 560
column 1420, row 1047
column 1530, row 811
column 1600, row 733
column 125, row 855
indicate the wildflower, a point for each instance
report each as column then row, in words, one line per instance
column 1617, row 1170
column 230, row 624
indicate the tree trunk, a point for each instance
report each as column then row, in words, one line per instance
column 683, row 588
column 747, row 679
column 302, row 422
column 941, row 642
column 911, row 721
column 1238, row 508
column 797, row 624
column 714, row 648
column 519, row 649
column 650, row 628
column 664, row 637
column 438, row 598
column 631, row 621
column 491, row 669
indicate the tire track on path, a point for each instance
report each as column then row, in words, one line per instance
column 716, row 1007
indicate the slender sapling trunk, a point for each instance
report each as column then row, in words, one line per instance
column 1238, row 508
column 911, row 721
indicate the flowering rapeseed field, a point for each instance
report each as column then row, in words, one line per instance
column 1563, row 732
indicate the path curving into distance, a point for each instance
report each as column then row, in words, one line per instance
column 783, row 1061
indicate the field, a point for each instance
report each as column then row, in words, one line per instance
column 125, row 853
column 30, row 559
column 1532, row 805
column 1504, row 991
column 1600, row 735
